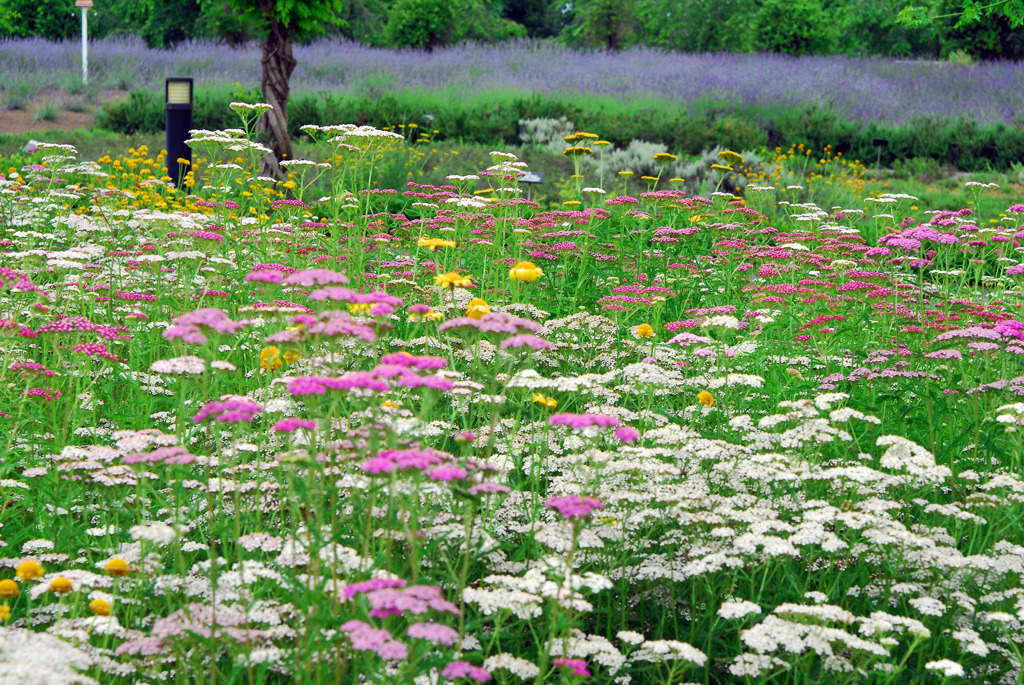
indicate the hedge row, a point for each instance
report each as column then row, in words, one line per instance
column 957, row 143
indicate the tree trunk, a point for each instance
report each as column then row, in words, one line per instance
column 278, row 64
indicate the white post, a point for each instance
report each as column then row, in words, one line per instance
column 85, row 5
column 85, row 46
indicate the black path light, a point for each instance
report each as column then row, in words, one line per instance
column 880, row 143
column 531, row 178
column 179, row 122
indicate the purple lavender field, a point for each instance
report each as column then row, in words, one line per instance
column 879, row 90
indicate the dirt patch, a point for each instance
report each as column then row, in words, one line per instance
column 55, row 111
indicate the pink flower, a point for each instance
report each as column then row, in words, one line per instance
column 580, row 421
column 292, row 424
column 433, row 632
column 488, row 488
column 447, row 472
column 574, row 506
column 350, row 591
column 627, row 434
column 578, row 666
column 527, row 340
column 366, row 638
column 232, row 410
column 463, row 669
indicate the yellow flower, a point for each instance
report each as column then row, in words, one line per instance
column 118, row 567
column 29, row 569
column 359, row 307
column 576, row 151
column 477, row 308
column 644, row 330
column 61, row 585
column 549, row 402
column 100, row 607
column 388, row 404
column 452, row 279
column 602, row 143
column 649, row 179
column 5, row 613
column 292, row 356
column 434, row 243
column 433, row 316
column 664, row 157
column 525, row 271
column 270, row 358
column 721, row 167
column 8, row 588
column 705, row 398
column 731, row 157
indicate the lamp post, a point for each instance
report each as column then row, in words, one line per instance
column 85, row 5
column 178, row 108
column 531, row 178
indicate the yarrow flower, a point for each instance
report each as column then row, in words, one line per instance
column 545, row 401
column 28, row 570
column 434, row 243
column 627, row 434
column 477, row 308
column 580, row 421
column 232, row 410
column 457, row 670
column 118, row 567
column 577, row 666
column 100, row 607
column 452, row 279
column 525, row 271
column 574, row 506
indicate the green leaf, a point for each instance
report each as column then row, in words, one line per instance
column 971, row 13
column 1014, row 11
column 914, row 16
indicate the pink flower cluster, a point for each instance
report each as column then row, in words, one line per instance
column 577, row 666
column 174, row 454
column 456, row 670
column 495, row 322
column 233, row 410
column 574, row 506
column 580, row 421
column 366, row 638
column 188, row 327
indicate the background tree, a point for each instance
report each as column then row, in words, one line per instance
column 431, row 24
column 793, row 27
column 966, row 12
column 279, row 22
column 600, row 23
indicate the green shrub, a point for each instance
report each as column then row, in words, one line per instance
column 793, row 27
column 494, row 118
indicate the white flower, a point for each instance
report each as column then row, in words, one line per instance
column 157, row 532
column 737, row 608
column 179, row 365
column 669, row 650
column 630, row 637
column 523, row 669
column 929, row 606
column 950, row 669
